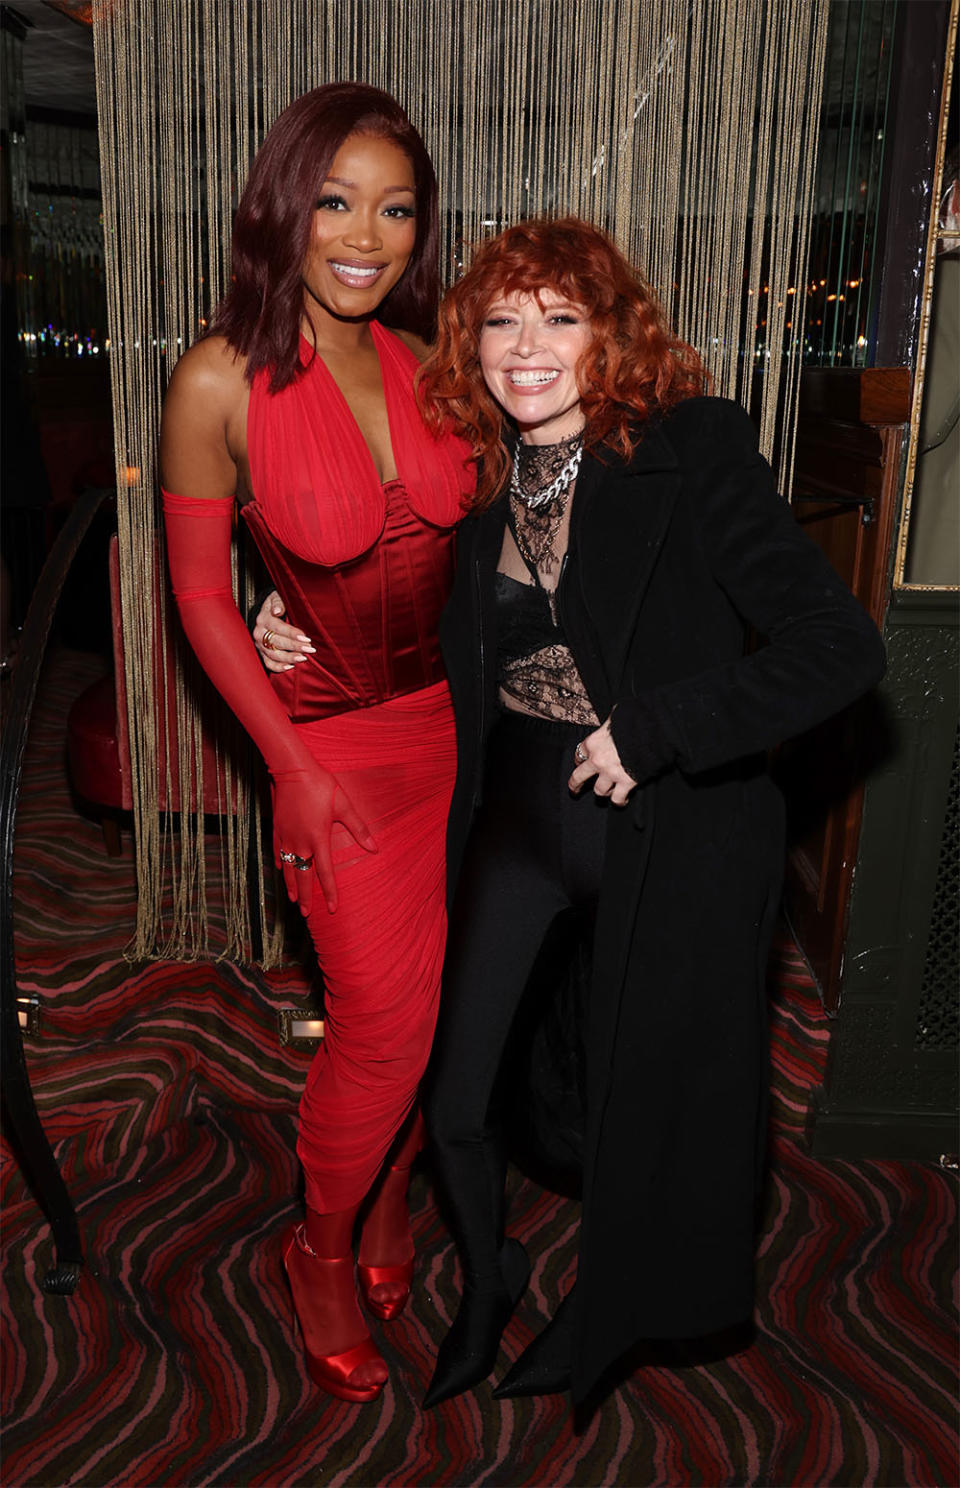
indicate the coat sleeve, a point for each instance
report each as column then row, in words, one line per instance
column 822, row 649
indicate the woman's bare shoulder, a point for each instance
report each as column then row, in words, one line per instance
column 211, row 368
column 204, row 415
column 413, row 343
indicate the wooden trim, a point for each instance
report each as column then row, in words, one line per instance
column 876, row 396
column 878, row 597
column 926, row 312
column 850, row 435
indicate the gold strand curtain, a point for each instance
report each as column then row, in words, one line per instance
column 687, row 128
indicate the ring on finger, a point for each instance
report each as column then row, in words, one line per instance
column 302, row 865
column 268, row 637
column 580, row 754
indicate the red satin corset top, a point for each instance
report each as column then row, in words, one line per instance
column 364, row 569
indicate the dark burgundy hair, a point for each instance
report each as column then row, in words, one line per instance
column 261, row 311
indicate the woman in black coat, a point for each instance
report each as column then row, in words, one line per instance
column 612, row 732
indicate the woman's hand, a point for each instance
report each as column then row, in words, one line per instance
column 306, row 803
column 598, row 756
column 287, row 645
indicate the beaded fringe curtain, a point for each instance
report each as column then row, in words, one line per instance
column 685, row 127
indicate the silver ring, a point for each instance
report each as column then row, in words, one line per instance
column 303, row 865
column 581, row 754
column 268, row 638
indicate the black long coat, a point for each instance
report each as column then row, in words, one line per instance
column 670, row 558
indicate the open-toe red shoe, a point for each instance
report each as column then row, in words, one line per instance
column 371, row 1277
column 312, row 1277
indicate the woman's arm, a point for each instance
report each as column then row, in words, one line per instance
column 822, row 650
column 199, row 477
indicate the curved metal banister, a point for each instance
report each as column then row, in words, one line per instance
column 32, row 1147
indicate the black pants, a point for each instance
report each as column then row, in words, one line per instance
column 535, row 851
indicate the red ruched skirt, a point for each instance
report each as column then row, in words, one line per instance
column 381, row 952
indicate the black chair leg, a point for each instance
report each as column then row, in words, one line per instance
column 40, row 1168
column 30, row 1140
column 110, row 827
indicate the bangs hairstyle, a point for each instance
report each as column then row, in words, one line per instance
column 261, row 312
column 634, row 368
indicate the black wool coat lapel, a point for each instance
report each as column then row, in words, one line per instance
column 619, row 521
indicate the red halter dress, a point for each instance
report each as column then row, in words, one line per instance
column 364, row 570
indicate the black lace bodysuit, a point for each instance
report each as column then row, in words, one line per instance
column 536, row 670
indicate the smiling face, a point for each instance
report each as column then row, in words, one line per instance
column 529, row 350
column 364, row 229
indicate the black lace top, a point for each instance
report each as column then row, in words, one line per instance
column 537, row 672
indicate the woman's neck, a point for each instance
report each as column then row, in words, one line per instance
column 547, row 438
column 328, row 333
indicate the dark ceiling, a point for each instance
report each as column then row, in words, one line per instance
column 57, row 56
column 59, row 74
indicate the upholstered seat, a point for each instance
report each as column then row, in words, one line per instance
column 98, row 740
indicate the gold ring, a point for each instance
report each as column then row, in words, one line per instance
column 268, row 638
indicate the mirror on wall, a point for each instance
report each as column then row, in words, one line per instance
column 929, row 550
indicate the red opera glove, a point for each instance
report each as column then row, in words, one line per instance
column 306, row 803
column 307, row 798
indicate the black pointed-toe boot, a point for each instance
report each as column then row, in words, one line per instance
column 469, row 1351
column 546, row 1366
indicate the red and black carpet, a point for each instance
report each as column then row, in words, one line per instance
column 171, row 1105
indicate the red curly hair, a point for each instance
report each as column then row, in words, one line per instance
column 634, row 368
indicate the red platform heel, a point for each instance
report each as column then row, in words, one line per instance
column 320, row 1285
column 386, row 1231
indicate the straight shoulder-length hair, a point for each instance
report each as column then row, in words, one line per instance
column 260, row 314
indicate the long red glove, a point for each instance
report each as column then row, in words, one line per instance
column 307, row 799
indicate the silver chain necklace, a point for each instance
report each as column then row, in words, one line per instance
column 548, row 493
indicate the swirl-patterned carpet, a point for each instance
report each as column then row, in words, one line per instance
column 171, row 1104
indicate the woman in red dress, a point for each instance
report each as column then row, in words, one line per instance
column 298, row 405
